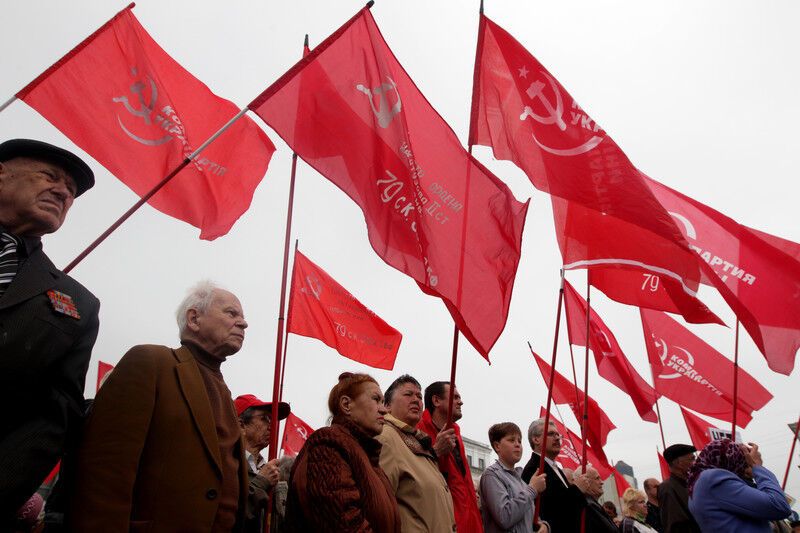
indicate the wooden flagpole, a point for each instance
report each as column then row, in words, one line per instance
column 735, row 382
column 150, row 193
column 549, row 394
column 585, row 421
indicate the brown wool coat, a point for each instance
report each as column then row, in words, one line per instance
column 149, row 461
column 337, row 485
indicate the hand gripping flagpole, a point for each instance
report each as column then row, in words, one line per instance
column 143, row 200
column 791, row 452
column 549, row 395
column 735, row 382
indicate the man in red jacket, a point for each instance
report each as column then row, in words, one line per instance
column 449, row 448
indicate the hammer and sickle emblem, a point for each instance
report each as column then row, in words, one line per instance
column 144, row 112
column 314, row 286
column 302, row 431
column 383, row 112
column 554, row 116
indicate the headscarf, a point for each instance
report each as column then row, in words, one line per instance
column 720, row 453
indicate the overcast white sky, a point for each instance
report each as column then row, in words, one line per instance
column 700, row 95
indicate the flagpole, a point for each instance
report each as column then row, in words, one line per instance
column 791, row 452
column 454, row 358
column 8, row 103
column 286, row 336
column 549, row 394
column 735, row 382
column 571, row 358
column 143, row 200
column 277, row 382
column 660, row 427
column 585, row 421
column 29, row 87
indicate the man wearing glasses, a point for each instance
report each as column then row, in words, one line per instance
column 562, row 502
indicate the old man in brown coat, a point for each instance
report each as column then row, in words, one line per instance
column 162, row 450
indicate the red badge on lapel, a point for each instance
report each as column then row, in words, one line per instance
column 62, row 303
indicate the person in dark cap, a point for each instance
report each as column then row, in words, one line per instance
column 255, row 421
column 48, row 321
column 673, row 493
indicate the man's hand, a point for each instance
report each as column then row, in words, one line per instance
column 445, row 442
column 581, row 482
column 271, row 472
column 538, row 482
column 752, row 454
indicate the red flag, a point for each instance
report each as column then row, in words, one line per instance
column 699, row 429
column 295, row 435
column 432, row 211
column 621, row 483
column 695, row 375
column 135, row 110
column 593, row 240
column 758, row 274
column 526, row 116
column 662, row 464
column 321, row 308
column 571, row 453
column 643, row 288
column 611, row 361
column 599, row 425
column 103, row 369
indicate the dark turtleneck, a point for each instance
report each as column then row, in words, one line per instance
column 228, row 435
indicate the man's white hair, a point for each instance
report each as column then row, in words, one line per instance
column 536, row 429
column 198, row 298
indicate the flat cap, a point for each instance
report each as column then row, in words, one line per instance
column 677, row 450
column 74, row 165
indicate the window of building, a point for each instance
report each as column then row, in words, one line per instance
column 469, row 460
column 481, row 463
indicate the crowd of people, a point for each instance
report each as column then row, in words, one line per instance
column 165, row 448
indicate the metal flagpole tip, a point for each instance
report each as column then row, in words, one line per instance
column 305, row 41
column 370, row 3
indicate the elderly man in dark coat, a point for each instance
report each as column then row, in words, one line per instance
column 673, row 493
column 48, row 321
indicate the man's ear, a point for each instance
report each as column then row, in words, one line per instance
column 437, row 401
column 192, row 320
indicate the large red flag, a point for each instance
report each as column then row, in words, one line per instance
column 611, row 361
column 699, row 429
column 758, row 274
column 565, row 392
column 432, row 211
column 295, row 435
column 135, row 110
column 571, row 453
column 521, row 111
column 627, row 262
column 321, row 308
column 695, row 375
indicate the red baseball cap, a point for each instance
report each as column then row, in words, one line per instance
column 246, row 401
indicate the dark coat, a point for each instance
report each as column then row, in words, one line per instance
column 673, row 499
column 597, row 520
column 44, row 356
column 337, row 485
column 150, row 460
column 561, row 506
